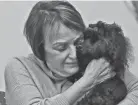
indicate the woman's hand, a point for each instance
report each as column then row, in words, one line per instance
column 96, row 72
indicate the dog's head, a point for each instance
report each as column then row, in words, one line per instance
column 102, row 40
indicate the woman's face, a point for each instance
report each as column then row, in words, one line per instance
column 61, row 52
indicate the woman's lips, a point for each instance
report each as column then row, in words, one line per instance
column 72, row 64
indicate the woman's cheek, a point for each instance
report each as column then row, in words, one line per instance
column 63, row 56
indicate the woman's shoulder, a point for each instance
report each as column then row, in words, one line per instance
column 20, row 64
column 18, row 61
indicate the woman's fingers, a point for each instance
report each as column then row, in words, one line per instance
column 108, row 73
column 104, row 67
column 97, row 71
column 106, row 70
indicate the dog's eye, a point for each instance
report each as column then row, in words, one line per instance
column 79, row 41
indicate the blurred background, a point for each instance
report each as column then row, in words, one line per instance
column 13, row 15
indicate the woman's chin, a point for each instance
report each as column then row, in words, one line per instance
column 71, row 70
column 68, row 71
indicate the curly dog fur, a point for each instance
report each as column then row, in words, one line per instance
column 102, row 40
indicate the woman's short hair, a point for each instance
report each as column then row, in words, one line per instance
column 46, row 16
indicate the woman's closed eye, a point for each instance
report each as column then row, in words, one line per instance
column 60, row 46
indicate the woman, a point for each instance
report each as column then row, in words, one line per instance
column 42, row 78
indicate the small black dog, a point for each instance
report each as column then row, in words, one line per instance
column 108, row 41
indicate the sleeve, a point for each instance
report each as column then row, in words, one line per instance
column 131, row 82
column 21, row 90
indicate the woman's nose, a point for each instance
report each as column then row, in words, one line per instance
column 72, row 52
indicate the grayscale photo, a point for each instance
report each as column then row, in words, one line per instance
column 63, row 52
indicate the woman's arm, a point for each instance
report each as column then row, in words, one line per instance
column 21, row 90
column 131, row 82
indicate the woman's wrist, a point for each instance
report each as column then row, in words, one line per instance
column 84, row 84
column 76, row 91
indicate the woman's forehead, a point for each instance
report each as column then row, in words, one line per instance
column 65, row 39
column 64, row 34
